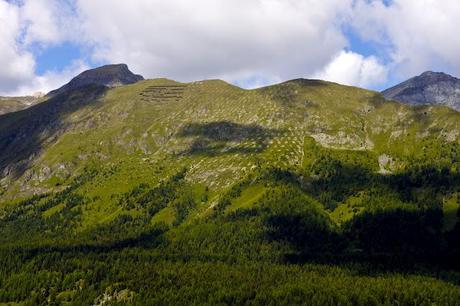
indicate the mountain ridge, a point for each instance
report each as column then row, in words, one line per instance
column 429, row 88
column 291, row 97
column 14, row 104
column 162, row 192
column 112, row 75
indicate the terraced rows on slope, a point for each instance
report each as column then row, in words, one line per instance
column 145, row 132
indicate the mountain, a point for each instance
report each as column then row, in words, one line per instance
column 161, row 192
column 14, row 104
column 109, row 75
column 429, row 88
column 208, row 122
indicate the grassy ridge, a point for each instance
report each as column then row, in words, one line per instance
column 164, row 192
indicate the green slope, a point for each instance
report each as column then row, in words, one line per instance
column 218, row 130
column 14, row 104
column 206, row 175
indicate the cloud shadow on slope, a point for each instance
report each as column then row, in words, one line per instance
column 226, row 137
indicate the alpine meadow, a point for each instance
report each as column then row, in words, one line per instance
column 120, row 190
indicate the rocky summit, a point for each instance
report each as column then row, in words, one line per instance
column 108, row 75
column 433, row 88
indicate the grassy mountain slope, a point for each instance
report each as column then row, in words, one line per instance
column 14, row 104
column 217, row 130
column 206, row 176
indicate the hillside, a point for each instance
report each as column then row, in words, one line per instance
column 429, row 88
column 14, row 104
column 223, row 129
column 295, row 190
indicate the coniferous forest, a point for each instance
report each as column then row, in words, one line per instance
column 166, row 193
column 285, row 248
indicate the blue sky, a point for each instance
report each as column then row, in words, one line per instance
column 367, row 43
column 56, row 57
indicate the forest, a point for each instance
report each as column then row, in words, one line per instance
column 293, row 244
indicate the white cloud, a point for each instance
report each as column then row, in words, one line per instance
column 351, row 68
column 39, row 17
column 50, row 80
column 39, row 22
column 231, row 39
column 249, row 80
column 17, row 65
column 247, row 42
column 417, row 35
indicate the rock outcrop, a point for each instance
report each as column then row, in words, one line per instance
column 433, row 88
column 109, row 75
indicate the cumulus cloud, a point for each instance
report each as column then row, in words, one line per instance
column 416, row 35
column 350, row 68
column 247, row 42
column 231, row 39
column 17, row 65
column 39, row 22
column 50, row 80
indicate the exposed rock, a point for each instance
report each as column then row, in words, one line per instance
column 386, row 164
column 343, row 141
column 109, row 75
column 434, row 88
column 112, row 296
column 38, row 94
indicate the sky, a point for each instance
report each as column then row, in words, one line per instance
column 250, row 43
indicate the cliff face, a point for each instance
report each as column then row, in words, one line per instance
column 109, row 75
column 434, row 88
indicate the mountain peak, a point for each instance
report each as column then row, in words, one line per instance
column 432, row 88
column 435, row 76
column 109, row 75
column 431, row 73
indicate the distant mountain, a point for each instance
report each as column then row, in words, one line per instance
column 109, row 75
column 434, row 88
column 14, row 104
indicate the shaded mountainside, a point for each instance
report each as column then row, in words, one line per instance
column 435, row 88
column 109, row 76
column 301, row 191
column 24, row 134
